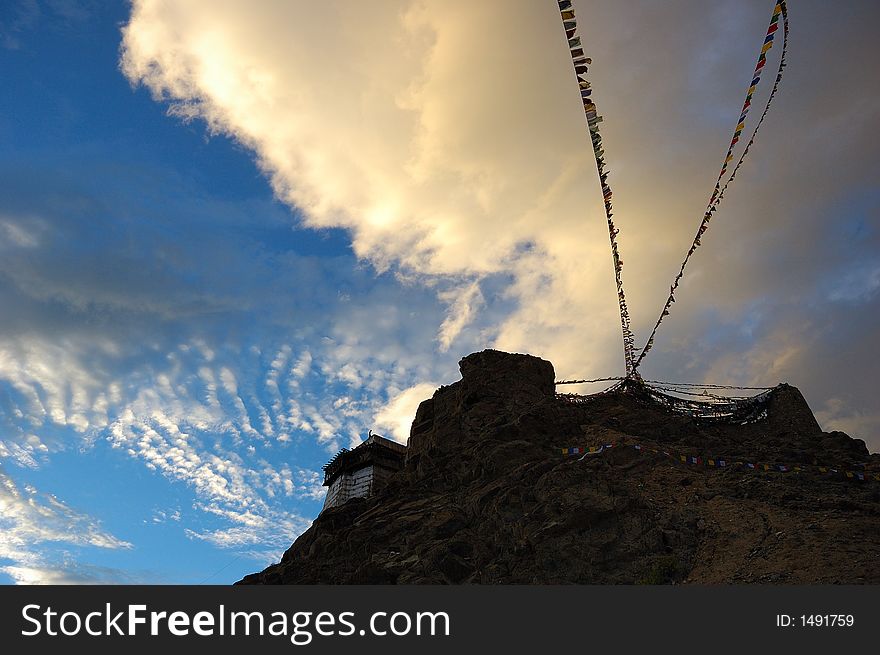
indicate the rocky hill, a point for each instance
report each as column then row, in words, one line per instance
column 488, row 497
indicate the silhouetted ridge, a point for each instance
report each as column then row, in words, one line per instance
column 486, row 496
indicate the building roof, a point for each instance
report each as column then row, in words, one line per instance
column 375, row 448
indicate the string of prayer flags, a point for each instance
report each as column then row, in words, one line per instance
column 581, row 65
column 718, row 462
column 779, row 10
column 585, row 450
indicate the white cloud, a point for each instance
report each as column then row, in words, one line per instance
column 20, row 233
column 452, row 175
column 455, row 152
column 74, row 573
column 264, row 539
column 30, row 521
column 397, row 415
column 463, row 306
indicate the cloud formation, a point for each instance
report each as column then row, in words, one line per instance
column 447, row 138
column 214, row 359
column 29, row 521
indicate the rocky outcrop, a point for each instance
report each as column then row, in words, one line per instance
column 487, row 497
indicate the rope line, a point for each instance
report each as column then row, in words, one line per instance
column 718, row 192
column 581, row 63
column 706, row 386
column 665, row 383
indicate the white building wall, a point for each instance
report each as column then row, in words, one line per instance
column 357, row 484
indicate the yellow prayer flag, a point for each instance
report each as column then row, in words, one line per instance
column 741, row 125
column 849, row 474
column 767, row 46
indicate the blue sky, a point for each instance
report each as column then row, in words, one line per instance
column 234, row 239
column 155, row 238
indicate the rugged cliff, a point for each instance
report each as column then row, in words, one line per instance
column 487, row 496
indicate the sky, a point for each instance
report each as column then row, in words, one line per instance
column 235, row 237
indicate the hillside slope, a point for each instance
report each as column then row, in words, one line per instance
column 488, row 497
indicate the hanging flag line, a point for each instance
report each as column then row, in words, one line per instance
column 617, row 379
column 706, row 386
column 719, row 462
column 580, row 63
column 704, row 394
column 780, row 9
column 693, row 385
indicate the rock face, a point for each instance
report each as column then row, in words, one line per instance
column 487, row 497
